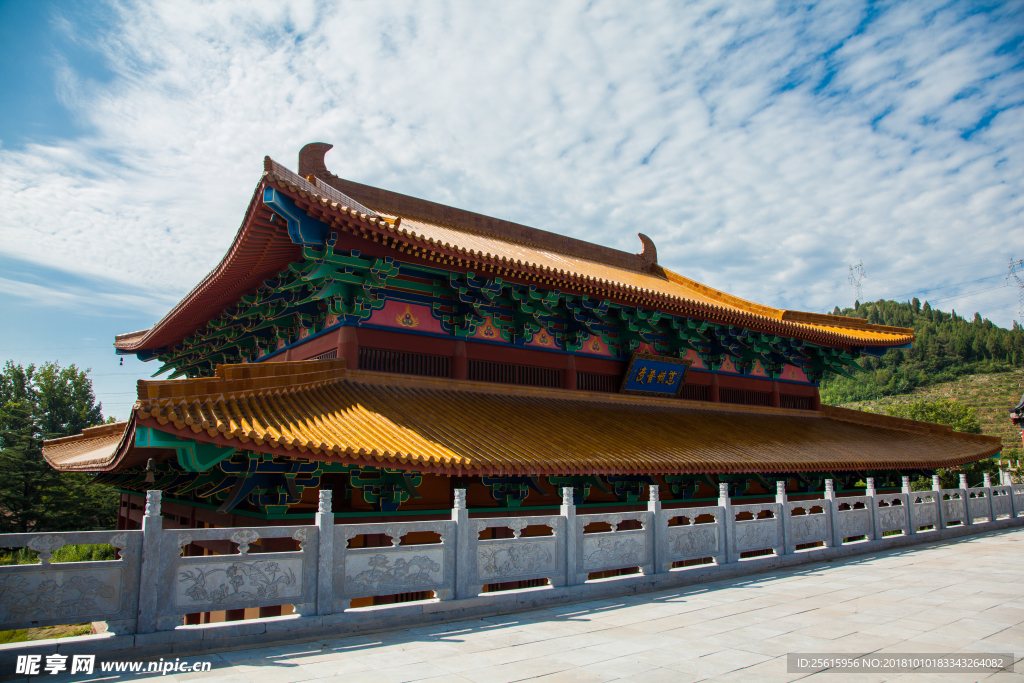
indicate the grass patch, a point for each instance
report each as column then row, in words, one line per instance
column 22, row 635
column 69, row 553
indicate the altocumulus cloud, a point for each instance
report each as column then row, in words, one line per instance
column 764, row 146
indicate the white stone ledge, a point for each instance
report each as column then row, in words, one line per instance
column 195, row 639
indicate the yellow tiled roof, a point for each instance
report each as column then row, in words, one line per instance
column 662, row 283
column 317, row 409
column 489, row 245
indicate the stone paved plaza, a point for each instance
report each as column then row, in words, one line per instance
column 963, row 595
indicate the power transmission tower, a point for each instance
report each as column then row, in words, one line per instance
column 1013, row 271
column 856, row 275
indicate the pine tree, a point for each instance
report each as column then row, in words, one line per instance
column 37, row 404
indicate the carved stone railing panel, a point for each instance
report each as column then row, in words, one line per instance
column 603, row 551
column 54, row 593
column 891, row 514
column 924, row 510
column 389, row 570
column 978, row 505
column 810, row 527
column 854, row 521
column 1002, row 505
column 953, row 508
column 521, row 558
column 694, row 541
column 757, row 534
column 248, row 578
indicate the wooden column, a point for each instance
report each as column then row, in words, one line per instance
column 460, row 362
column 348, row 346
column 713, row 389
column 816, row 401
column 776, row 399
column 569, row 374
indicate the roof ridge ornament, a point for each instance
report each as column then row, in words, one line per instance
column 311, row 159
column 648, row 254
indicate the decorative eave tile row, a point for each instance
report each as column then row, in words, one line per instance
column 315, row 409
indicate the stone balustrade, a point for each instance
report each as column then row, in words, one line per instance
column 154, row 582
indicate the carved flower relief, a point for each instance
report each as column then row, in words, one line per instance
column 755, row 535
column 612, row 552
column 891, row 518
column 809, row 528
column 853, row 523
column 1001, row 505
column 417, row 571
column 241, row 582
column 924, row 515
column 693, row 542
column 512, row 559
column 954, row 508
column 77, row 595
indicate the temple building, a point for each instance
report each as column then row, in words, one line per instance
column 394, row 349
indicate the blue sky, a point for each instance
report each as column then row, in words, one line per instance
column 765, row 147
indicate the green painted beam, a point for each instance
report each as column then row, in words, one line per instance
column 193, row 456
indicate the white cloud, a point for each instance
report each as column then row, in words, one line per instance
column 760, row 176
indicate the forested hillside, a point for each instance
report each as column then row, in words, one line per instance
column 947, row 346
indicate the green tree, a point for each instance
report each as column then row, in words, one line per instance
column 38, row 403
column 961, row 418
column 946, row 346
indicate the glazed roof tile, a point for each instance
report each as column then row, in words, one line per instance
column 317, row 409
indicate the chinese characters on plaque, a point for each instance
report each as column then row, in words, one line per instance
column 654, row 375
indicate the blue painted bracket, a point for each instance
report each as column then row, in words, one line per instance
column 309, row 232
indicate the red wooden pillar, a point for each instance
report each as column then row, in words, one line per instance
column 348, row 346
column 776, row 399
column 460, row 361
column 122, row 513
column 713, row 389
column 816, row 400
column 569, row 374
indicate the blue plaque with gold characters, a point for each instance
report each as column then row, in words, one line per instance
column 654, row 375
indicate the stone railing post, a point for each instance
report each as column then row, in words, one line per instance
column 325, row 560
column 987, row 483
column 829, row 508
column 911, row 527
column 786, row 519
column 465, row 563
column 568, row 512
column 660, row 533
column 1014, row 509
column 149, row 579
column 731, row 554
column 873, row 507
column 940, row 515
column 965, row 496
